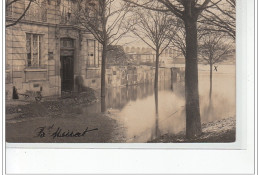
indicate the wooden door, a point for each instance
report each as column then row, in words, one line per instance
column 67, row 73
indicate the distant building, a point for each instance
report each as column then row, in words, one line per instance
column 46, row 51
column 146, row 55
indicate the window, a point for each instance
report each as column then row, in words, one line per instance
column 9, row 9
column 50, row 56
column 33, row 50
column 92, row 58
column 171, row 52
column 91, row 9
column 37, row 11
column 66, row 11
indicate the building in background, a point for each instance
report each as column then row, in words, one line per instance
column 46, row 51
column 146, row 56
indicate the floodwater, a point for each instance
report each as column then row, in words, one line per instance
column 133, row 107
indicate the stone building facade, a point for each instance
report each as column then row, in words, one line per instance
column 47, row 52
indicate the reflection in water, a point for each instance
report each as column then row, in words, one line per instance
column 103, row 105
column 135, row 106
column 209, row 110
column 157, row 132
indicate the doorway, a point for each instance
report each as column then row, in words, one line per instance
column 67, row 73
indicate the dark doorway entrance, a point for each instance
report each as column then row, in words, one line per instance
column 67, row 73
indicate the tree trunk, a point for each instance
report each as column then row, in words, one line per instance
column 156, row 70
column 156, row 81
column 156, row 100
column 210, row 81
column 193, row 122
column 103, row 78
column 156, row 94
column 156, row 113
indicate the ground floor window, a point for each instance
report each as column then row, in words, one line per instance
column 92, row 56
column 33, row 50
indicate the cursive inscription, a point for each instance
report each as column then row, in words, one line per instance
column 45, row 131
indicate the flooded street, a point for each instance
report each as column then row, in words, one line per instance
column 134, row 107
column 133, row 111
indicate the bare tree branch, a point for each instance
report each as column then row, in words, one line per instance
column 221, row 18
column 146, row 6
column 23, row 14
column 214, row 48
column 8, row 4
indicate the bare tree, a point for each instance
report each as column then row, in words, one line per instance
column 178, row 41
column 105, row 20
column 116, row 55
column 221, row 18
column 188, row 11
column 154, row 28
column 214, row 49
column 8, row 6
column 178, row 37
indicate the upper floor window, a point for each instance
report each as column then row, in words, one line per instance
column 9, row 8
column 170, row 52
column 37, row 10
column 66, row 10
column 33, row 50
column 91, row 8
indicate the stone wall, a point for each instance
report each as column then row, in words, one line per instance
column 117, row 76
column 21, row 76
column 28, row 79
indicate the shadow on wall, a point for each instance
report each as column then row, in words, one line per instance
column 80, row 86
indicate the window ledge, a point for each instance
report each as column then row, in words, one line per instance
column 67, row 48
column 35, row 70
column 93, row 68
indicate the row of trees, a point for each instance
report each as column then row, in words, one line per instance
column 161, row 23
column 192, row 22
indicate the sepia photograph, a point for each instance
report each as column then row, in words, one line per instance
column 120, row 71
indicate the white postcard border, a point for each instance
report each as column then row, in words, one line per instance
column 189, row 159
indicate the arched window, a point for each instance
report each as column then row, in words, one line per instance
column 133, row 50
column 127, row 49
column 143, row 50
column 138, row 50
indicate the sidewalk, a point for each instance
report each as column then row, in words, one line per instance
column 51, row 106
column 220, row 131
column 72, row 114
